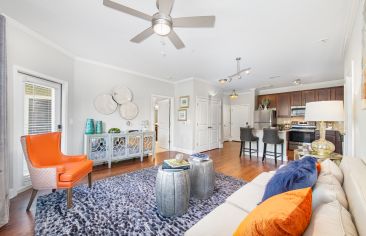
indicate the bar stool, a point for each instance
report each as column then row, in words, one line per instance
column 246, row 135
column 270, row 136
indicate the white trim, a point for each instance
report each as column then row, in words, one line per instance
column 110, row 66
column 325, row 84
column 56, row 46
column 186, row 151
column 37, row 35
column 350, row 22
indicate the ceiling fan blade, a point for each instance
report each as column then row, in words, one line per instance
column 165, row 6
column 174, row 38
column 194, row 21
column 127, row 10
column 143, row 35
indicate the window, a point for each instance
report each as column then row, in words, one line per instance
column 42, row 108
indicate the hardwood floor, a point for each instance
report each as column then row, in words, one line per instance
column 226, row 161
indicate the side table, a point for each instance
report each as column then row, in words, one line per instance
column 202, row 177
column 172, row 192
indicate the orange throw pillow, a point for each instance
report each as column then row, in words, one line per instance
column 318, row 167
column 288, row 213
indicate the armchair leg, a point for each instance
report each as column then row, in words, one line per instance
column 69, row 198
column 90, row 180
column 33, row 195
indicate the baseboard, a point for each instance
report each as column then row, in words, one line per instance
column 185, row 151
column 13, row 192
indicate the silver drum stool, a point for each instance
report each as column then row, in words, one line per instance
column 172, row 192
column 202, row 179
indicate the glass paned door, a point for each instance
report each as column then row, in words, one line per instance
column 42, row 107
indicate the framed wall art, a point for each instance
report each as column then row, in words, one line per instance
column 184, row 102
column 182, row 115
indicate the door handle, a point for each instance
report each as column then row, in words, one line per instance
column 210, row 127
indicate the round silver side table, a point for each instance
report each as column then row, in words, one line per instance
column 202, row 179
column 172, row 192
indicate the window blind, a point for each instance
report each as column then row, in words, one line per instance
column 39, row 105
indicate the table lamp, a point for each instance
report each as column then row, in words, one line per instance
column 321, row 112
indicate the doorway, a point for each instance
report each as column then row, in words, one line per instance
column 162, row 122
column 239, row 118
column 208, row 124
column 39, row 106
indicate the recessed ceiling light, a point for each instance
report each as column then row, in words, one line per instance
column 297, row 82
column 274, row 77
column 324, row 40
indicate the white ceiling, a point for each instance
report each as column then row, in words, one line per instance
column 275, row 38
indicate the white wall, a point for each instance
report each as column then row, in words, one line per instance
column 91, row 79
column 26, row 50
column 183, row 131
column 356, row 122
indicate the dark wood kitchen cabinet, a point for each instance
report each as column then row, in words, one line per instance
column 272, row 98
column 323, row 94
column 308, row 96
column 337, row 93
column 284, row 105
column 296, row 98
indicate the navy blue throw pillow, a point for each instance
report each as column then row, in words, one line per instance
column 295, row 175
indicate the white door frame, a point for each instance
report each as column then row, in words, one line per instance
column 17, row 116
column 152, row 110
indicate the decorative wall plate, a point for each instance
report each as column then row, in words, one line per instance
column 105, row 104
column 122, row 94
column 128, row 110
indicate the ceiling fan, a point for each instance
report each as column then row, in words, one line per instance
column 161, row 22
column 238, row 73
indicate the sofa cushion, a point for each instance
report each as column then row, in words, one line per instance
column 329, row 167
column 288, row 213
column 331, row 219
column 325, row 193
column 295, row 175
column 354, row 184
column 263, row 178
column 247, row 197
column 328, row 179
column 223, row 220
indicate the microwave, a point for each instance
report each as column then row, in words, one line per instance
column 298, row 111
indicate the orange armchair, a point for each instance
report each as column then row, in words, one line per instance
column 49, row 168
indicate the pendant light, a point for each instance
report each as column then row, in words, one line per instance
column 234, row 95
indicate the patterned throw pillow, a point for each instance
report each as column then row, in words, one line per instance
column 295, row 175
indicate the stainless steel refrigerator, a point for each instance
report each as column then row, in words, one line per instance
column 265, row 119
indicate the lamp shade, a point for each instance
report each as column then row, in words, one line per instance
column 324, row 111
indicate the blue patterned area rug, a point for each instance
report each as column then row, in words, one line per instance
column 123, row 205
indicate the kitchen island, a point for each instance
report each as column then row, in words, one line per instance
column 270, row 147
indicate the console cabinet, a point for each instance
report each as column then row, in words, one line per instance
column 108, row 148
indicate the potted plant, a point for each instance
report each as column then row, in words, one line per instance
column 265, row 103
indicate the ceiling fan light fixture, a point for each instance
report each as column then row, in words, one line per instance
column 162, row 27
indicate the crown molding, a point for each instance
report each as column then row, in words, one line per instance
column 109, row 66
column 38, row 36
column 59, row 48
column 350, row 21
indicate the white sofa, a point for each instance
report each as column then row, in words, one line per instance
column 226, row 218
